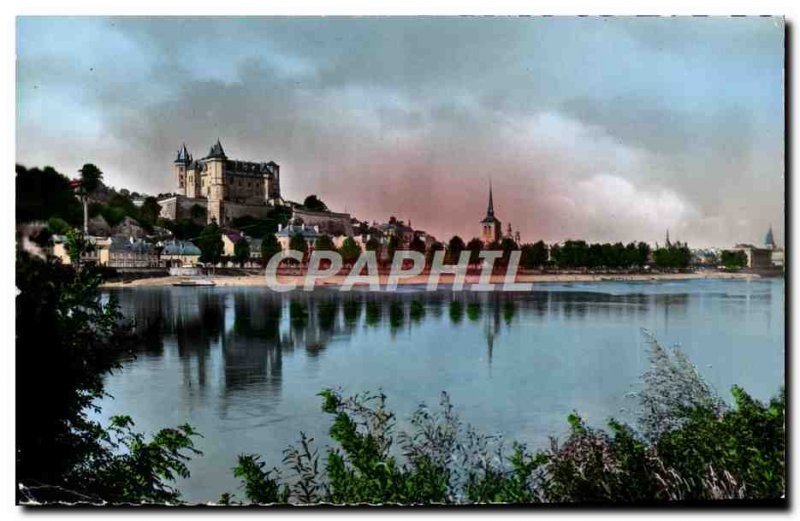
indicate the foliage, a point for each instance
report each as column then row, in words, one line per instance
column 580, row 254
column 210, row 243
column 298, row 242
column 42, row 194
column 324, row 243
column 373, row 244
column 241, row 251
column 676, row 256
column 436, row 246
column 533, row 255
column 91, row 178
column 198, row 212
column 475, row 246
column 698, row 449
column 58, row 226
column 269, row 247
column 417, row 245
column 454, row 248
column 69, row 337
column 349, row 251
column 315, row 204
column 256, row 227
column 733, row 260
column 149, row 211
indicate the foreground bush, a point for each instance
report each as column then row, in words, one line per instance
column 67, row 339
column 686, row 445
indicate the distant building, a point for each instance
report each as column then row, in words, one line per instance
column 491, row 227
column 181, row 254
column 285, row 233
column 229, row 240
column 332, row 223
column 756, row 257
column 777, row 253
column 129, row 253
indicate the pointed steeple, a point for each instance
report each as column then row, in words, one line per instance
column 490, row 218
column 490, row 209
column 769, row 240
column 668, row 243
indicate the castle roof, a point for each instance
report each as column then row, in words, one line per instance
column 183, row 155
column 180, row 248
column 216, row 150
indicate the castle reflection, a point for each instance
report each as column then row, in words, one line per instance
column 237, row 339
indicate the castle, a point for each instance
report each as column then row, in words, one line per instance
column 227, row 188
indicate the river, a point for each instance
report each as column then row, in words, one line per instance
column 244, row 365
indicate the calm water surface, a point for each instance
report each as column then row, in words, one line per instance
column 244, row 365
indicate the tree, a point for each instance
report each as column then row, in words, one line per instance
column 436, row 246
column 475, row 246
column 298, row 242
column 391, row 247
column 373, row 244
column 349, row 251
column 417, row 245
column 269, row 247
column 454, row 248
column 325, row 243
column 534, row 255
column 149, row 212
column 241, row 251
column 734, row 260
column 507, row 245
column 58, row 226
column 643, row 254
column 198, row 212
column 41, row 194
column 91, row 177
column 70, row 337
column 315, row 204
column 210, row 243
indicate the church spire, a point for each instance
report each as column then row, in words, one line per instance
column 490, row 209
column 769, row 240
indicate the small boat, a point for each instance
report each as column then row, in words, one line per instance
column 195, row 283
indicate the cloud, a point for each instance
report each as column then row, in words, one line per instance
column 605, row 130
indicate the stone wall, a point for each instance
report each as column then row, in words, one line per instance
column 179, row 207
column 331, row 223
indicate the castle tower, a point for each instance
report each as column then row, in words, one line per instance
column 491, row 227
column 215, row 174
column 273, row 182
column 179, row 168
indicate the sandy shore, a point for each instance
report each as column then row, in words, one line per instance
column 337, row 280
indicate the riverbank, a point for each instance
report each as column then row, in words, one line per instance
column 540, row 278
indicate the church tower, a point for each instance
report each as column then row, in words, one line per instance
column 491, row 227
column 180, row 167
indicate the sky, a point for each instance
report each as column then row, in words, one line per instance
column 603, row 129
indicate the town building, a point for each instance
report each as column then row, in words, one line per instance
column 285, row 234
column 226, row 188
column 179, row 254
column 777, row 254
column 756, row 257
column 491, row 227
column 332, row 223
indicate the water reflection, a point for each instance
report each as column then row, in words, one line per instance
column 253, row 329
column 244, row 365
